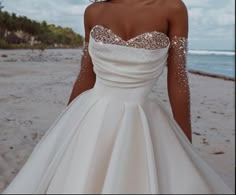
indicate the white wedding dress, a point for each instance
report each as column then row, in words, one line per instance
column 114, row 138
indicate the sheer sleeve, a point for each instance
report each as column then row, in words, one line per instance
column 178, row 57
column 86, row 77
column 85, row 63
column 178, row 83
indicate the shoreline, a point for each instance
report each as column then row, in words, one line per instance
column 213, row 75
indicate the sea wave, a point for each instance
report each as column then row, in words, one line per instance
column 207, row 52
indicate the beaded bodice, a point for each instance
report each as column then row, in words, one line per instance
column 136, row 62
column 133, row 63
column 149, row 40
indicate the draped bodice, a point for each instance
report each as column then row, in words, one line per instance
column 124, row 64
column 127, row 66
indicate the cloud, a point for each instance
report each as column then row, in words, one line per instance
column 75, row 9
column 68, row 13
column 212, row 20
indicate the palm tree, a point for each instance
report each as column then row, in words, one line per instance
column 1, row 6
column 4, row 22
column 13, row 25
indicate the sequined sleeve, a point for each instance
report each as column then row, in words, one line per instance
column 178, row 82
column 84, row 59
column 178, row 57
column 86, row 65
column 86, row 77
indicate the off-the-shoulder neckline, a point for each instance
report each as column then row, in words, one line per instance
column 131, row 39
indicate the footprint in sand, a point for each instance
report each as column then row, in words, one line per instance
column 196, row 133
column 213, row 129
column 204, row 141
column 218, row 152
column 34, row 135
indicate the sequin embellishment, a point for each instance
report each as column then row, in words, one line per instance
column 150, row 40
column 85, row 50
column 178, row 57
column 84, row 62
column 179, row 45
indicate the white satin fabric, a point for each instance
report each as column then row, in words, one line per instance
column 113, row 138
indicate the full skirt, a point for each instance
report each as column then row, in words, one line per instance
column 105, row 145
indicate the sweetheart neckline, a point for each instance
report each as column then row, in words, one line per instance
column 131, row 39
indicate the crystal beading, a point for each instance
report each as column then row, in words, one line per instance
column 84, row 62
column 150, row 40
column 179, row 47
column 178, row 57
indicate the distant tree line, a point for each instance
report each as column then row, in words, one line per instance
column 20, row 30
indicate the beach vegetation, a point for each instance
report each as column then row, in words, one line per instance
column 22, row 32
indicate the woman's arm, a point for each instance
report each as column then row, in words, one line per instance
column 178, row 84
column 86, row 77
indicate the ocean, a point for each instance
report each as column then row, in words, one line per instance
column 214, row 62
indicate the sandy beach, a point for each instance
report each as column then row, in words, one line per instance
column 35, row 87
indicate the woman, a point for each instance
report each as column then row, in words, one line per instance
column 113, row 137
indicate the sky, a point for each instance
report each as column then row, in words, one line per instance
column 211, row 22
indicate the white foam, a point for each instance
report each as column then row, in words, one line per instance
column 208, row 52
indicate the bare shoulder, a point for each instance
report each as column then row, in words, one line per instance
column 93, row 9
column 177, row 17
column 175, row 6
column 91, row 13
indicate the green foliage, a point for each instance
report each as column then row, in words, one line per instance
column 4, row 44
column 45, row 34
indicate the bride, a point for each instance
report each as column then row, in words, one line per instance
column 113, row 137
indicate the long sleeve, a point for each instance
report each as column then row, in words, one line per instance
column 85, row 67
column 86, row 77
column 178, row 83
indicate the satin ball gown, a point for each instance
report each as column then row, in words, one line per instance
column 114, row 138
